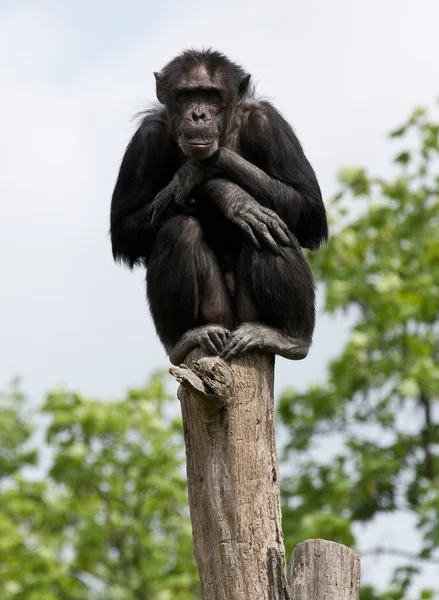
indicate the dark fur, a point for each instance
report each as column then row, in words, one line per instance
column 200, row 267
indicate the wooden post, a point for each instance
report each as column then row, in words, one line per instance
column 233, row 483
column 322, row 570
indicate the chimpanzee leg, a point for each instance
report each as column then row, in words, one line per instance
column 275, row 303
column 189, row 302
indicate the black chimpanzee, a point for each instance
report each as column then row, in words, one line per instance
column 216, row 197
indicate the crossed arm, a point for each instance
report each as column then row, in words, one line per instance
column 232, row 184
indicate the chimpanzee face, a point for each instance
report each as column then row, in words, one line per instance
column 199, row 107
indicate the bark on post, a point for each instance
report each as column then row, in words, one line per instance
column 233, row 477
column 322, row 570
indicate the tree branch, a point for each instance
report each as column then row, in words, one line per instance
column 425, row 401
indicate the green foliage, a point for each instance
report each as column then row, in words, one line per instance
column 367, row 441
column 110, row 521
column 14, row 433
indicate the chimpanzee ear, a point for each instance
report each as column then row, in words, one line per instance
column 160, row 91
column 243, row 86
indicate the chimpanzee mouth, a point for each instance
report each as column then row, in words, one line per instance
column 198, row 147
column 200, row 143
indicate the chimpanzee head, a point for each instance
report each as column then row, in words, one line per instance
column 201, row 90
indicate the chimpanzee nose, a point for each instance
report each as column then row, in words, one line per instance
column 199, row 114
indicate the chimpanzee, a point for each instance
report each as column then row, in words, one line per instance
column 215, row 197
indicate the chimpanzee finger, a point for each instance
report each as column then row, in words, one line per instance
column 147, row 212
column 249, row 233
column 231, row 342
column 159, row 209
column 216, row 340
column 275, row 216
column 277, row 229
column 277, row 232
column 224, row 335
column 181, row 196
column 208, row 346
column 239, row 347
column 266, row 236
column 156, row 218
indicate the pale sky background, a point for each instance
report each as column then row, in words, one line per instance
column 73, row 74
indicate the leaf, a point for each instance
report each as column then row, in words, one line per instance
column 403, row 158
column 398, row 132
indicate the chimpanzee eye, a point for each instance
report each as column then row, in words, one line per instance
column 182, row 96
column 213, row 96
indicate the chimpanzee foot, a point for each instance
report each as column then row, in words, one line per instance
column 210, row 338
column 253, row 336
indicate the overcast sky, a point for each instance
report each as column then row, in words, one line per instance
column 72, row 75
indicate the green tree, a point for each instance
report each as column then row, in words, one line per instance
column 15, row 433
column 110, row 520
column 366, row 442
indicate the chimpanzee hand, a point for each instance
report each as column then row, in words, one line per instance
column 155, row 212
column 261, row 226
column 191, row 174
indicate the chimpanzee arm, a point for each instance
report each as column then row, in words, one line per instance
column 189, row 176
column 148, row 165
column 278, row 174
column 259, row 224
